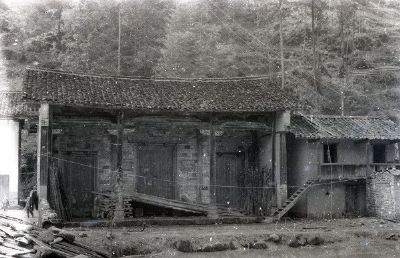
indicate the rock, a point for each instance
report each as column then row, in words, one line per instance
column 68, row 237
column 184, row 246
column 302, row 240
column 316, row 240
column 55, row 229
column 109, row 235
column 82, row 234
column 233, row 245
column 57, row 240
column 215, row 247
column 45, row 236
column 297, row 241
column 294, row 242
column 258, row 245
column 392, row 237
column 275, row 238
column 22, row 241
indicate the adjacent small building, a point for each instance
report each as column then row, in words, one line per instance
column 340, row 153
column 14, row 146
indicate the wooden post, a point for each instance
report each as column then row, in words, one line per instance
column 367, row 158
column 282, row 121
column 283, row 161
column 277, row 169
column 20, row 125
column 213, row 175
column 43, row 153
column 119, row 213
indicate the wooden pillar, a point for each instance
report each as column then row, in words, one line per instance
column 213, row 175
column 281, row 123
column 119, row 213
column 277, row 168
column 283, row 161
column 367, row 158
column 20, row 126
column 43, row 153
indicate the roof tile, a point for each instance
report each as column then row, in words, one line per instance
column 208, row 95
column 344, row 127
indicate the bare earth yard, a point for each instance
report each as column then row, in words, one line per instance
column 361, row 237
column 358, row 237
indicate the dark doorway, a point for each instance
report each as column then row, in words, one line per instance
column 355, row 201
column 156, row 170
column 379, row 153
column 79, row 175
column 229, row 167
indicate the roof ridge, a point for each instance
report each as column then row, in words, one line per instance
column 345, row 117
column 190, row 79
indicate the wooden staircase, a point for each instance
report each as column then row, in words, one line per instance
column 292, row 200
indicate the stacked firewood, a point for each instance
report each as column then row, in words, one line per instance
column 18, row 239
column 106, row 206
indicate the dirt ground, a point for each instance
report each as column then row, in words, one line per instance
column 361, row 237
column 358, row 237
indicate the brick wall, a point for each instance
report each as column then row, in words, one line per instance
column 191, row 155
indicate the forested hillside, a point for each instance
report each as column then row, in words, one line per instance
column 352, row 53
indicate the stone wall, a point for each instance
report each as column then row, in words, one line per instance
column 383, row 194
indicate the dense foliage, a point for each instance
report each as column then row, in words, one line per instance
column 356, row 44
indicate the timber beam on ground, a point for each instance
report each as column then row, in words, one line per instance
column 197, row 208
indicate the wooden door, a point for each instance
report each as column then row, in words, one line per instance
column 4, row 186
column 229, row 167
column 156, row 170
column 79, row 176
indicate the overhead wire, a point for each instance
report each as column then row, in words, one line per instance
column 189, row 184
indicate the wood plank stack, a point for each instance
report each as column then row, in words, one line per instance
column 192, row 207
column 19, row 239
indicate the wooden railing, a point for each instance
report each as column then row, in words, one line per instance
column 341, row 171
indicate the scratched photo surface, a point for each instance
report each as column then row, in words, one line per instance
column 199, row 128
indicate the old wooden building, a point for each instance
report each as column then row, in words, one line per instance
column 214, row 144
column 331, row 157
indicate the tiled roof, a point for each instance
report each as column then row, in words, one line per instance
column 344, row 127
column 205, row 95
column 11, row 104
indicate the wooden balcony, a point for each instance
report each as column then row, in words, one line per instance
column 343, row 171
